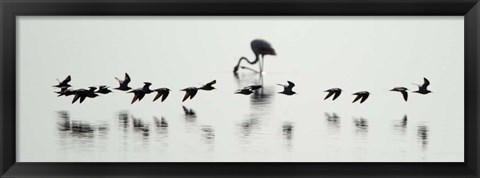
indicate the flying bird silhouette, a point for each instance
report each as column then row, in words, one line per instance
column 244, row 91
column 83, row 93
column 422, row 89
column 287, row 89
column 361, row 95
column 190, row 92
column 208, row 86
column 335, row 92
column 163, row 92
column 260, row 48
column 103, row 89
column 64, row 83
column 248, row 90
column 402, row 90
column 139, row 93
column 124, row 83
column 64, row 92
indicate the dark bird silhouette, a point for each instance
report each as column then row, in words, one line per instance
column 422, row 89
column 190, row 92
column 260, row 48
column 361, row 95
column 402, row 90
column 64, row 92
column 83, row 93
column 139, row 93
column 64, row 83
column 161, row 92
column 208, row 86
column 103, row 89
column 335, row 92
column 244, row 91
column 188, row 112
column 124, row 83
column 287, row 89
column 248, row 90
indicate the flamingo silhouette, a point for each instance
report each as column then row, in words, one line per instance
column 260, row 48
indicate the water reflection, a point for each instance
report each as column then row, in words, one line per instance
column 261, row 100
column 422, row 135
column 190, row 114
column 123, row 119
column 361, row 126
column 137, row 134
column 140, row 127
column 249, row 125
column 401, row 125
column 63, row 122
column 208, row 133
column 287, row 131
column 333, row 121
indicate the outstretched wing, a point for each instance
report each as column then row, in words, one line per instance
column 187, row 94
column 194, row 92
column 127, row 79
column 364, row 97
column 405, row 95
column 211, row 83
column 165, row 94
column 357, row 98
column 425, row 83
column 137, row 96
column 140, row 96
column 330, row 93
column 290, row 85
column 157, row 96
column 82, row 98
column 77, row 96
column 68, row 79
column 337, row 93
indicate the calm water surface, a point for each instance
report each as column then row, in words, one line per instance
column 264, row 126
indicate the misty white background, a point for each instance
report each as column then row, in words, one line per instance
column 317, row 53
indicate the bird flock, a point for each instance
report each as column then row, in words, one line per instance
column 190, row 92
column 259, row 47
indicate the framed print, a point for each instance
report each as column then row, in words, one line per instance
column 260, row 88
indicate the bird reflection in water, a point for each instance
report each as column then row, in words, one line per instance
column 123, row 120
column 190, row 114
column 63, row 123
column 333, row 121
column 422, row 135
column 287, row 131
column 208, row 133
column 247, row 126
column 260, row 102
column 103, row 129
column 361, row 126
column 140, row 127
column 161, row 130
column 401, row 125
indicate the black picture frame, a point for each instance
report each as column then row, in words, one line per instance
column 9, row 9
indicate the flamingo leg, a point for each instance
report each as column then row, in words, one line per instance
column 263, row 64
column 260, row 66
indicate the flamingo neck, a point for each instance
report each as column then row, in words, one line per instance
column 246, row 59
